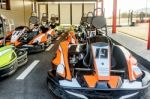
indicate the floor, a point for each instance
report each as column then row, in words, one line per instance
column 139, row 31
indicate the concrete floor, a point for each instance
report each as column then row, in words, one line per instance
column 140, row 31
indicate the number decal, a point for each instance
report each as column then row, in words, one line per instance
column 104, row 53
column 101, row 53
column 97, row 52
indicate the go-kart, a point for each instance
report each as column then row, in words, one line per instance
column 1, row 41
column 33, row 40
column 54, row 21
column 97, row 68
column 55, row 26
column 10, row 57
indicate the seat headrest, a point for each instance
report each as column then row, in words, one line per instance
column 89, row 20
column 34, row 20
column 99, row 22
column 99, row 38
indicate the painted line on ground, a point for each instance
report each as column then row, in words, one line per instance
column 58, row 38
column 49, row 48
column 26, row 72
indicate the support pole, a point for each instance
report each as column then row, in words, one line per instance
column 119, row 16
column 102, row 6
column 71, row 13
column 97, row 7
column 148, row 44
column 129, row 17
column 59, row 12
column 114, row 16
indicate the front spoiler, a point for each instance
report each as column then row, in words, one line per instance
column 8, row 69
column 22, row 60
column 33, row 48
column 12, row 67
column 75, row 93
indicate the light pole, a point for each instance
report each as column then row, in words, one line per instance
column 114, row 16
column 146, row 15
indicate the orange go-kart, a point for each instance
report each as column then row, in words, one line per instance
column 34, row 40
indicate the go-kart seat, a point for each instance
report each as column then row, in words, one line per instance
column 95, row 39
column 119, row 58
column 31, row 35
column 44, row 29
column 83, row 20
column 44, row 18
column 99, row 22
column 119, row 62
column 98, row 38
column 19, row 28
column 34, row 20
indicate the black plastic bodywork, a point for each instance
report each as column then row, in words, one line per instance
column 95, row 93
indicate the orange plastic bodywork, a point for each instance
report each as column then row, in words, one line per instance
column 1, row 42
column 91, row 80
column 64, row 45
column 53, row 33
column 43, row 39
column 114, row 81
column 17, row 43
column 132, row 62
column 57, row 59
column 72, row 36
column 131, row 77
column 8, row 43
column 9, row 34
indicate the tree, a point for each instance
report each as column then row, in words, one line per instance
column 124, row 15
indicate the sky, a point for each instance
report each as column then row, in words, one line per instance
column 125, row 5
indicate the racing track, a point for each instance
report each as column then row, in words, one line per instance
column 29, row 82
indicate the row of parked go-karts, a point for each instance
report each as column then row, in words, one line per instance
column 88, row 64
column 16, row 44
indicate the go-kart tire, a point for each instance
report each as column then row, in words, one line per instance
column 22, row 57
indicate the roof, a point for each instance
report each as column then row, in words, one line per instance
column 66, row 0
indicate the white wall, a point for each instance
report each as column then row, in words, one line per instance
column 89, row 8
column 18, row 12
column 76, row 13
column 65, row 11
column 52, row 9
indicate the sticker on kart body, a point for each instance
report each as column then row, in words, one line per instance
column 16, row 35
column 101, row 54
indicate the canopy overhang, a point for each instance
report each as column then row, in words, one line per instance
column 66, row 0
